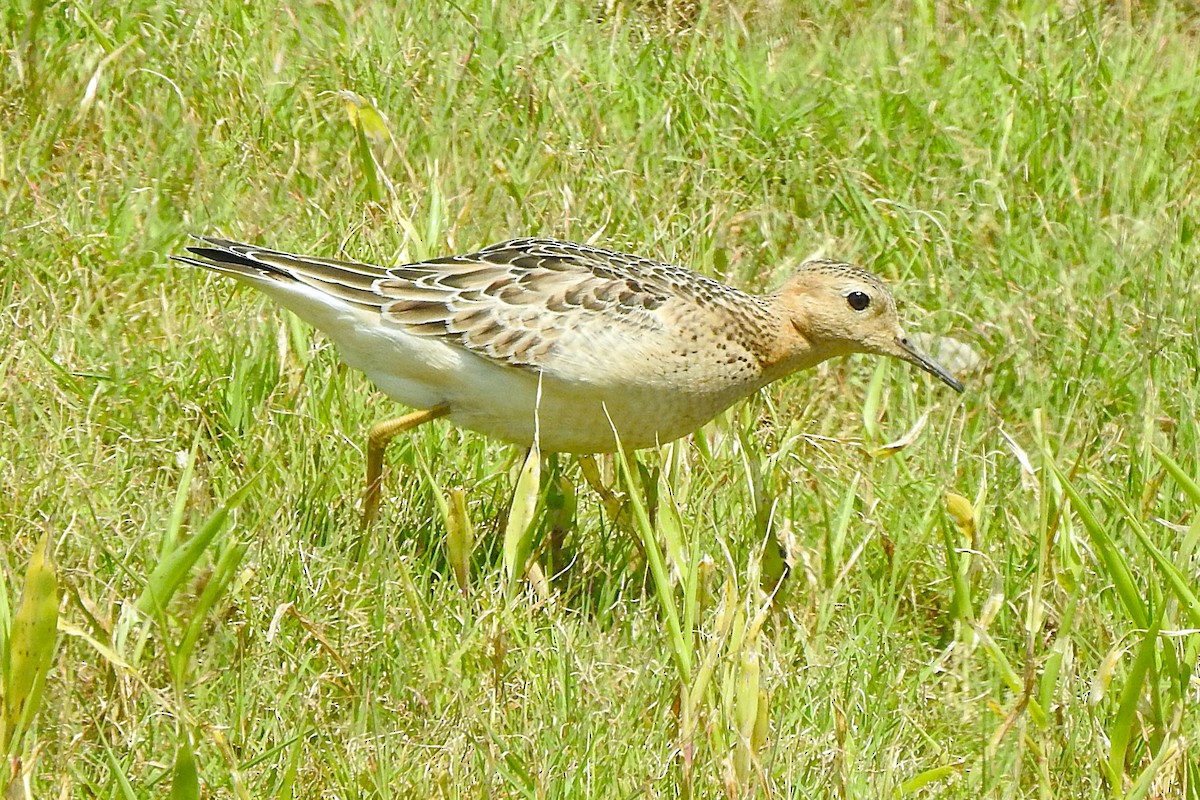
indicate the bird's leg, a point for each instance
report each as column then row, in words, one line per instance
column 377, row 441
column 612, row 501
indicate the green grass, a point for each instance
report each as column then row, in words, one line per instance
column 1025, row 175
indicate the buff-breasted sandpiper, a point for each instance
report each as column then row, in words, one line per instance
column 578, row 346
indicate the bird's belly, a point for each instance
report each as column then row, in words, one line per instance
column 570, row 420
column 515, row 405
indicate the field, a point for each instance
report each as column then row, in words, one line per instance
column 1004, row 604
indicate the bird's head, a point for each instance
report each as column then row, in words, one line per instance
column 839, row 309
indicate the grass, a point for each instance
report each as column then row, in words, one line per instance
column 1024, row 173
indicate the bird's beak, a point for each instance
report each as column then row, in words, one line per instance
column 914, row 355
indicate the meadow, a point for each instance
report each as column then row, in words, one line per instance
column 855, row 584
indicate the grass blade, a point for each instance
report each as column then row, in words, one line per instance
column 185, row 779
column 223, row 573
column 1185, row 481
column 1116, row 567
column 923, row 779
column 460, row 538
column 746, row 714
column 958, row 555
column 835, row 539
column 30, row 645
column 1179, row 584
column 518, row 531
column 174, row 567
column 1123, row 726
column 663, row 588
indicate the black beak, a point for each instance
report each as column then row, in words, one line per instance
column 914, row 355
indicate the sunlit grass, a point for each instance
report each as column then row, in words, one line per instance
column 1023, row 175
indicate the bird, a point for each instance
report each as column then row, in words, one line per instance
column 571, row 347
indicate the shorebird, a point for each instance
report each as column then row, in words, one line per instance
column 583, row 349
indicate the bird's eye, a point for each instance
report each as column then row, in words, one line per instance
column 858, row 300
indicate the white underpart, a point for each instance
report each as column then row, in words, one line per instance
column 578, row 396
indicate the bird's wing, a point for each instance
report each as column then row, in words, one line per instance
column 531, row 302
column 348, row 281
column 537, row 304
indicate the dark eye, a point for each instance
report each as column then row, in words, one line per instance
column 858, row 300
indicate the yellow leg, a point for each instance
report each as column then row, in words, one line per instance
column 377, row 441
column 613, row 502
